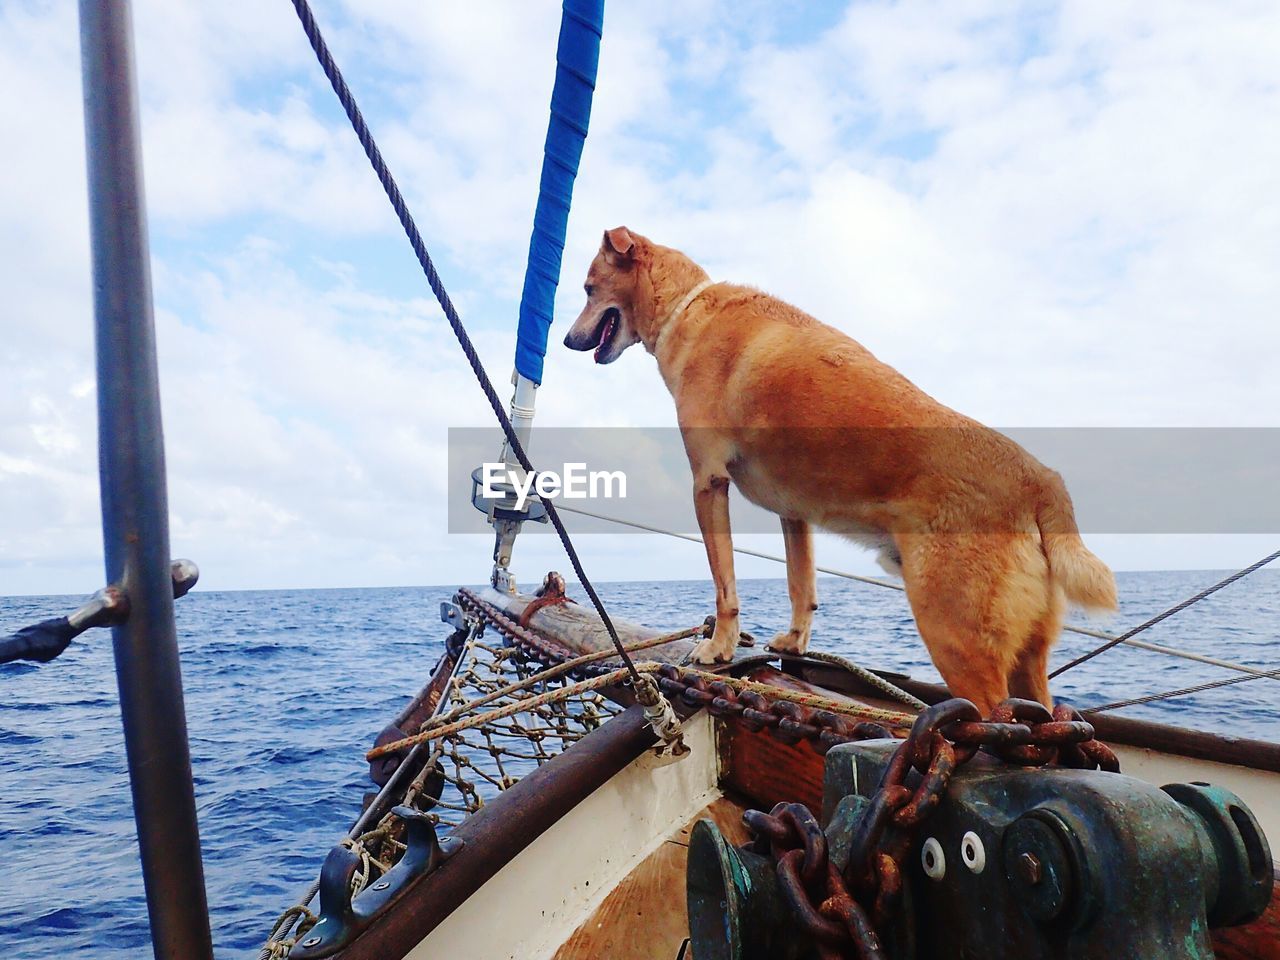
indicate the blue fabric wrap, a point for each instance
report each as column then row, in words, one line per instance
column 577, row 56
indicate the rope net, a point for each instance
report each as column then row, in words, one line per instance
column 466, row 769
column 477, row 764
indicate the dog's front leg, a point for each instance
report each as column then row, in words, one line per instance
column 802, row 584
column 711, row 505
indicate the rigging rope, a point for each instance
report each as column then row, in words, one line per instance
column 644, row 686
column 865, row 675
column 1177, row 608
column 389, row 185
column 843, row 706
column 1185, row 691
column 550, row 673
column 876, row 581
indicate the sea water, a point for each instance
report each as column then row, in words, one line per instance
column 285, row 690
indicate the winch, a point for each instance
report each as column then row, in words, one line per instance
column 1011, row 862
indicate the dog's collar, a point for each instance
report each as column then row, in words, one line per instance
column 680, row 308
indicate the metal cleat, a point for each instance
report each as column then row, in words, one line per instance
column 342, row 915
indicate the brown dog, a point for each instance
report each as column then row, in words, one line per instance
column 808, row 424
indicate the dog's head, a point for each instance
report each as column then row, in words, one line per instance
column 610, row 321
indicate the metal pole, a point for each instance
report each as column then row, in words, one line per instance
column 577, row 59
column 135, row 518
column 505, row 531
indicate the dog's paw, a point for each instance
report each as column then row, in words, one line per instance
column 712, row 650
column 793, row 641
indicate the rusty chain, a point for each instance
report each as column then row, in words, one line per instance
column 853, row 909
column 786, row 721
column 812, row 886
column 1019, row 731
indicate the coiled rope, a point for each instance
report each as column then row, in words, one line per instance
column 866, row 676
column 339, row 84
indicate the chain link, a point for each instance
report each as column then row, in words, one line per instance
column 853, row 911
column 848, row 913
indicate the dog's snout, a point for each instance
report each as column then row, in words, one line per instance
column 587, row 330
column 577, row 339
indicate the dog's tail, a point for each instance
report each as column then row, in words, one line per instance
column 1084, row 578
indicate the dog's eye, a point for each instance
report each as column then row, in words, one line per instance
column 589, row 288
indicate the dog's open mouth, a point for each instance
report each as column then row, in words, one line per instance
column 610, row 324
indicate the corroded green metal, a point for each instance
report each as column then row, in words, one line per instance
column 1034, row 864
column 1241, row 887
column 1075, row 863
column 735, row 909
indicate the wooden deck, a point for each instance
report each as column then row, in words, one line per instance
column 645, row 916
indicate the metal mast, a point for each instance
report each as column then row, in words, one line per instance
column 577, row 57
column 135, row 517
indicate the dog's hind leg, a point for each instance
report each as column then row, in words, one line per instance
column 953, row 655
column 711, row 505
column 802, row 585
column 1030, row 676
column 953, row 588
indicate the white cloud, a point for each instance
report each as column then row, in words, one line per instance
column 1051, row 215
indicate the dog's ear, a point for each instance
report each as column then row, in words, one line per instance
column 618, row 244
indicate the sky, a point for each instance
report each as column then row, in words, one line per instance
column 1044, row 214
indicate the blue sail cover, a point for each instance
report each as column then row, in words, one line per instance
column 577, row 55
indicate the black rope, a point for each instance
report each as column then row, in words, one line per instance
column 371, row 150
column 1170, row 694
column 1169, row 613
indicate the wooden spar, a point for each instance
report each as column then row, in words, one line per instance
column 578, row 628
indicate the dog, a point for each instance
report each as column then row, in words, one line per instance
column 808, row 424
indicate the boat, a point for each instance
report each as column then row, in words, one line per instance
column 567, row 785
column 613, row 849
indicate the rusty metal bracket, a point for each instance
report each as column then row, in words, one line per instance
column 343, row 916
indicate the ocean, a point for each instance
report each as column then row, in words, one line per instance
column 286, row 690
